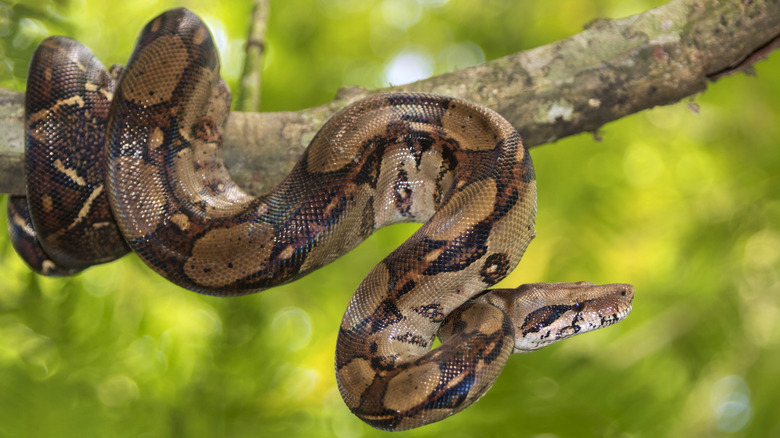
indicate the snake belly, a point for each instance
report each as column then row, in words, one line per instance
column 458, row 168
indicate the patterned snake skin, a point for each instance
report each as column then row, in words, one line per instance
column 133, row 165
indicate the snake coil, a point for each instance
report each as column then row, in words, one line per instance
column 133, row 165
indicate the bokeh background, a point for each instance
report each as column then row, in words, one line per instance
column 683, row 201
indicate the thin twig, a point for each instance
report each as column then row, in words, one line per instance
column 251, row 78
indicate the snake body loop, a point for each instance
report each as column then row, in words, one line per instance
column 66, row 105
column 458, row 168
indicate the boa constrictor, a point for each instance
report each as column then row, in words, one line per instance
column 159, row 188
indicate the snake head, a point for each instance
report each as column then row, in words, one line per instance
column 544, row 313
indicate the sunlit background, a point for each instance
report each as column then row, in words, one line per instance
column 682, row 201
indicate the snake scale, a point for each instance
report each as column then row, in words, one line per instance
column 128, row 160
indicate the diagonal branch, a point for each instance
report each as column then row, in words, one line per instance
column 610, row 70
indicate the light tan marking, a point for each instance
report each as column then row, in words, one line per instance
column 156, row 138
column 412, row 387
column 358, row 375
column 287, row 252
column 21, row 223
column 48, row 203
column 47, row 266
column 199, row 36
column 156, row 24
column 70, row 173
column 84, row 211
column 42, row 114
column 107, row 94
column 334, row 202
column 520, row 152
column 181, row 221
column 433, row 255
column 144, row 209
column 486, row 320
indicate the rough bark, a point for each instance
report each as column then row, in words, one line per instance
column 11, row 142
column 610, row 70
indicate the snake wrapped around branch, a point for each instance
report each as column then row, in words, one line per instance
column 128, row 160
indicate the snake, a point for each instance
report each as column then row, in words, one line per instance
column 127, row 159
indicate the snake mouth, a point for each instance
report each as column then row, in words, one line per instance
column 621, row 315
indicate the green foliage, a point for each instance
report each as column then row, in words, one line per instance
column 682, row 202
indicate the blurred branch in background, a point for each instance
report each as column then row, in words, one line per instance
column 610, row 70
column 252, row 76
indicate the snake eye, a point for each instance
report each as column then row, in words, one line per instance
column 577, row 306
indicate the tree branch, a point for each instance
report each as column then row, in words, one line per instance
column 610, row 70
column 11, row 142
